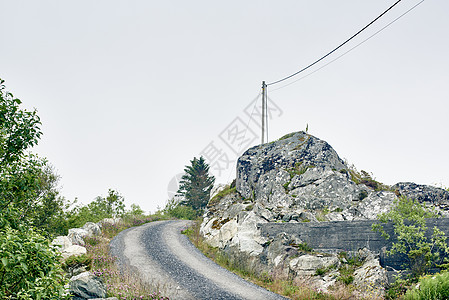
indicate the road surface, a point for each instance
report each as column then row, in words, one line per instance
column 166, row 258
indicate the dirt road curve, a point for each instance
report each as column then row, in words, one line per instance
column 163, row 256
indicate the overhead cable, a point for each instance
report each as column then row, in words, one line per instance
column 356, row 46
column 335, row 49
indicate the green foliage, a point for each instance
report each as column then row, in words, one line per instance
column 305, row 247
column 29, row 268
column 365, row 178
column 226, row 191
column 409, row 221
column 196, row 184
column 112, row 206
column 431, row 287
column 397, row 289
column 77, row 261
column 135, row 211
column 183, row 212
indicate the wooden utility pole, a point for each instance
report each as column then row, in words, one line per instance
column 264, row 96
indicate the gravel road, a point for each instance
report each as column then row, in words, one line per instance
column 166, row 258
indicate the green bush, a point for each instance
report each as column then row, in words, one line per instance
column 29, row 267
column 77, row 261
column 430, row 287
column 183, row 212
column 409, row 222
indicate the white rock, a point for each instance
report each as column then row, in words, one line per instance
column 109, row 221
column 61, row 242
column 73, row 250
column 308, row 264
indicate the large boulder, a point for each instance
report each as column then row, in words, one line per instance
column 87, row 286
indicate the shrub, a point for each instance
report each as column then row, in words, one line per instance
column 409, row 222
column 183, row 212
column 29, row 267
column 430, row 287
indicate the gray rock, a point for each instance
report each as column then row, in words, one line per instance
column 92, row 229
column 87, row 286
column 297, row 180
column 371, row 278
column 423, row 193
column 76, row 236
column 307, row 265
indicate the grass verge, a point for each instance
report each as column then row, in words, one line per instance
column 243, row 266
column 123, row 284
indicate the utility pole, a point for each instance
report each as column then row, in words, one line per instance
column 264, row 96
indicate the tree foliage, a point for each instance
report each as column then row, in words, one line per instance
column 29, row 268
column 409, row 222
column 111, row 206
column 196, row 184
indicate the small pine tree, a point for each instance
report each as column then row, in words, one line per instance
column 196, row 184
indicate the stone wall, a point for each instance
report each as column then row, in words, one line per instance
column 337, row 236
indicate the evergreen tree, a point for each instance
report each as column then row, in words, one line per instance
column 196, row 184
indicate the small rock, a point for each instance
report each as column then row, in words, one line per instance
column 73, row 250
column 61, row 243
column 76, row 236
column 92, row 229
column 87, row 286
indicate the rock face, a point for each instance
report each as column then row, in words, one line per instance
column 300, row 178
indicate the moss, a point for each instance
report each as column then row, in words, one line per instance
column 216, row 199
column 285, row 185
column 287, row 136
column 249, row 207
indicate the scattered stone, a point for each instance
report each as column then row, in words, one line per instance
column 76, row 236
column 301, row 179
column 87, row 286
column 92, row 229
column 73, row 250
column 61, row 242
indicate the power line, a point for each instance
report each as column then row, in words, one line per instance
column 335, row 49
column 356, row 46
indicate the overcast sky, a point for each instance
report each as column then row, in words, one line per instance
column 130, row 91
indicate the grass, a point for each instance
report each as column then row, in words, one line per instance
column 226, row 191
column 245, row 266
column 123, row 284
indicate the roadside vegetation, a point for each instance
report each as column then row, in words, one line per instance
column 424, row 255
column 32, row 213
column 297, row 288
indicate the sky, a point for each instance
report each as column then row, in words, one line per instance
column 130, row 91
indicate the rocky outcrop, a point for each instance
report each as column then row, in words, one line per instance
column 301, row 179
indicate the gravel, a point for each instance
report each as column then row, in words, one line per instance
column 167, row 259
